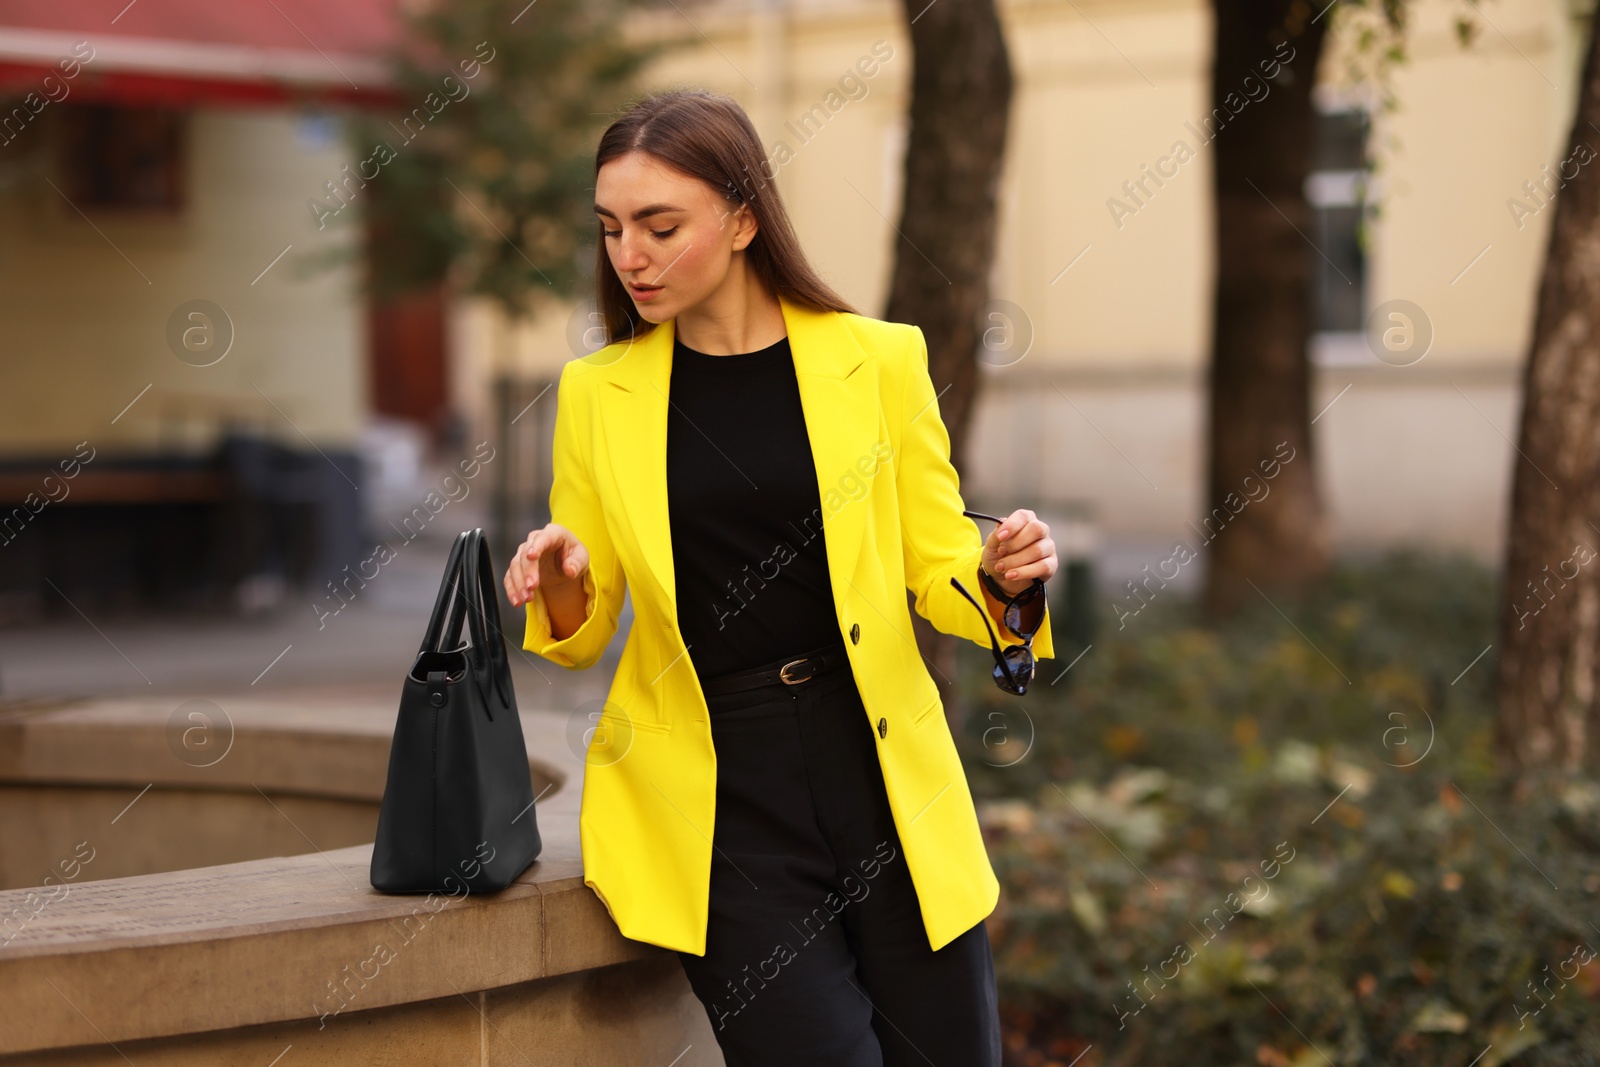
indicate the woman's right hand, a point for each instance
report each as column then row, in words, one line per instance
column 551, row 557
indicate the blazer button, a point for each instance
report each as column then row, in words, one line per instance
column 883, row 727
column 855, row 633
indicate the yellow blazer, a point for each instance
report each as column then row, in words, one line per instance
column 891, row 521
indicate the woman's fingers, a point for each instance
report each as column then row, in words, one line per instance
column 561, row 552
column 1028, row 526
column 1036, row 561
column 551, row 546
column 1034, row 552
column 1025, row 550
column 522, row 577
column 513, row 580
column 1014, row 524
column 544, row 545
column 576, row 558
column 1018, row 531
column 530, row 555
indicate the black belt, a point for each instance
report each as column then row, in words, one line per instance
column 790, row 671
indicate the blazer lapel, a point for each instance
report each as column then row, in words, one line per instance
column 843, row 418
column 633, row 436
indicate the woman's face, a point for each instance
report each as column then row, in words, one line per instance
column 671, row 237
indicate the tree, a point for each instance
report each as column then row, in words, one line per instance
column 1259, row 404
column 1258, row 410
column 486, row 183
column 1549, row 628
column 488, row 179
column 961, row 87
column 1260, row 374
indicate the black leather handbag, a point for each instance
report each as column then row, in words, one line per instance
column 457, row 813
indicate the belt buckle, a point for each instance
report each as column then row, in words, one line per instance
column 783, row 672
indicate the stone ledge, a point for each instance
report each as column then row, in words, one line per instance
column 339, row 750
column 271, row 940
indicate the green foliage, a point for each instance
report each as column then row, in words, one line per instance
column 1374, row 36
column 1285, row 839
column 493, row 178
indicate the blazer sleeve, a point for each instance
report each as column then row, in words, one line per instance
column 575, row 505
column 940, row 543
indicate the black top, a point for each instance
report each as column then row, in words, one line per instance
column 749, row 557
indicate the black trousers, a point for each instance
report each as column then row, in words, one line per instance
column 816, row 953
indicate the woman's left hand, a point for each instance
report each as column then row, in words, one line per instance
column 1018, row 551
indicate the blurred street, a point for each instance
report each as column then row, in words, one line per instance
column 297, row 643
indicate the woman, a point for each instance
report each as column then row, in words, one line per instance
column 772, row 790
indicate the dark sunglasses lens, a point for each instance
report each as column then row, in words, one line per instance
column 1020, row 657
column 1013, row 619
column 1020, row 660
column 1007, row 684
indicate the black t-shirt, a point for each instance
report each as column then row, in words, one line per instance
column 749, row 557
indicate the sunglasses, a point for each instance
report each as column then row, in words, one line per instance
column 1013, row 664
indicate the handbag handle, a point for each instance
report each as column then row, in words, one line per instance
column 483, row 615
column 449, row 595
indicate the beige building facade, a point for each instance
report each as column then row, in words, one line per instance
column 89, row 307
column 1109, row 296
column 1095, row 400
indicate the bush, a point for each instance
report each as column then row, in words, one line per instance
column 1286, row 844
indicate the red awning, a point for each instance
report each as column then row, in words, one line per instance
column 187, row 52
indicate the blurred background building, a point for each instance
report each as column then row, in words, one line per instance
column 180, row 253
column 155, row 323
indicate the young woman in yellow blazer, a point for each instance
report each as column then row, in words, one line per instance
column 772, row 790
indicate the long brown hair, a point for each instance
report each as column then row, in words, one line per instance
column 707, row 135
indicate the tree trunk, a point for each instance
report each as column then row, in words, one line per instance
column 1549, row 628
column 960, row 110
column 1264, row 520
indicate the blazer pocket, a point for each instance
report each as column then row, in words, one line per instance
column 625, row 722
column 923, row 716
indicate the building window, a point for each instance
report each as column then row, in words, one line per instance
column 1335, row 191
column 128, row 158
